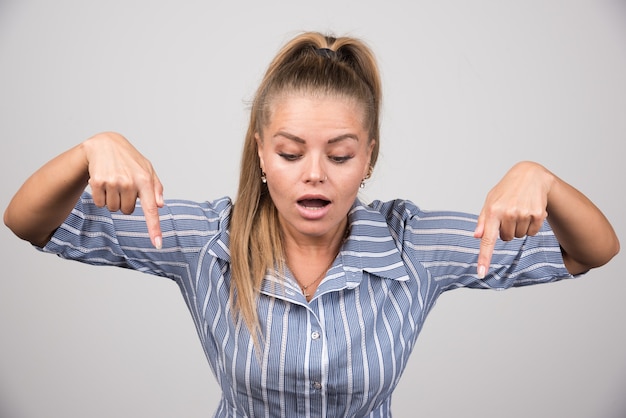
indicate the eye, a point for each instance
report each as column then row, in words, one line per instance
column 339, row 158
column 289, row 157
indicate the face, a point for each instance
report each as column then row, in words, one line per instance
column 315, row 152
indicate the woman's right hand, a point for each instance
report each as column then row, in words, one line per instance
column 117, row 173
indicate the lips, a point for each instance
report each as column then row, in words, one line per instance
column 313, row 207
column 315, row 203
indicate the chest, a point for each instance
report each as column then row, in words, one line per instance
column 347, row 348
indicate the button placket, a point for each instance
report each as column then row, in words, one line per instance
column 317, row 361
column 316, row 338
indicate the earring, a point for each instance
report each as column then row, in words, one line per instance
column 367, row 176
column 263, row 177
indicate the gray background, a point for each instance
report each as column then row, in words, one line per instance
column 470, row 88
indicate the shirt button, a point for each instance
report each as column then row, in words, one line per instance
column 315, row 335
column 316, row 385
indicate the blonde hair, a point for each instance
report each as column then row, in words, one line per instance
column 311, row 63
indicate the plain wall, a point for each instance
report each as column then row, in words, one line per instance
column 470, row 89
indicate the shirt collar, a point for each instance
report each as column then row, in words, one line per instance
column 219, row 245
column 370, row 247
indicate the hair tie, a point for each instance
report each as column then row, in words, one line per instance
column 326, row 53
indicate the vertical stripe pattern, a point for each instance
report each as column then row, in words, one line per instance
column 343, row 353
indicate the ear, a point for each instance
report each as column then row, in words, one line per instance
column 369, row 168
column 259, row 147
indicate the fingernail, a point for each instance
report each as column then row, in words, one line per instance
column 158, row 243
column 481, row 272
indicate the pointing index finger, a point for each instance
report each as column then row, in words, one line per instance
column 150, row 204
column 488, row 231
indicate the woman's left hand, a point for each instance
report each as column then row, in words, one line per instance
column 514, row 208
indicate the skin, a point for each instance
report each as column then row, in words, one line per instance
column 529, row 194
column 315, row 153
column 302, row 151
column 117, row 173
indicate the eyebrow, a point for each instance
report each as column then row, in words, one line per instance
column 299, row 140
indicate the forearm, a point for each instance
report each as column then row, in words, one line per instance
column 48, row 196
column 585, row 235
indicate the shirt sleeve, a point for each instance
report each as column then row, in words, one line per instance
column 96, row 236
column 444, row 244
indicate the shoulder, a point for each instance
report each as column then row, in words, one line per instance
column 215, row 209
column 208, row 218
column 401, row 215
column 394, row 208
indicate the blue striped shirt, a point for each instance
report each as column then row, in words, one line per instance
column 342, row 353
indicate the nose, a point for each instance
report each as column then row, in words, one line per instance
column 315, row 172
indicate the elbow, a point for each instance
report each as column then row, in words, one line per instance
column 605, row 248
column 616, row 248
column 21, row 231
column 10, row 222
column 7, row 220
column 586, row 262
column 610, row 251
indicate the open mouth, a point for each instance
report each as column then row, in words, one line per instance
column 313, row 203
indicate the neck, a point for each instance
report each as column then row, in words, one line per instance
column 309, row 259
column 327, row 246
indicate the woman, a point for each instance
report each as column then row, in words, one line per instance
column 306, row 300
